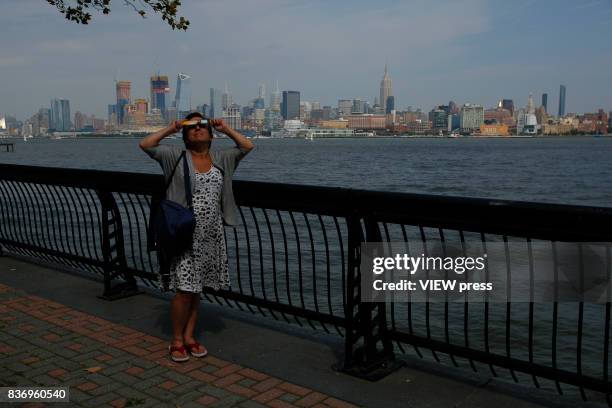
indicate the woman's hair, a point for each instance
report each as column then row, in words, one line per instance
column 199, row 115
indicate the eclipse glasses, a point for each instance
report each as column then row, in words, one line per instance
column 192, row 123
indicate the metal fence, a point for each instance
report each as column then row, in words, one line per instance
column 296, row 258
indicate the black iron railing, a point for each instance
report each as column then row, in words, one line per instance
column 296, row 257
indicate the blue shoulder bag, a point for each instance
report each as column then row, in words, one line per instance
column 174, row 224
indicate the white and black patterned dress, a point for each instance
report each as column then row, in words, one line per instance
column 205, row 264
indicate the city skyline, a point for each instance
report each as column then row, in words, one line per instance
column 453, row 59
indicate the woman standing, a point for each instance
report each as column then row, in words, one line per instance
column 205, row 263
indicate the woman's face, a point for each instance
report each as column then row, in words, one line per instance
column 197, row 135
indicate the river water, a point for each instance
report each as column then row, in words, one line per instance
column 568, row 170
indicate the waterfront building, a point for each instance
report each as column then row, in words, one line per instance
column 508, row 104
column 262, row 95
column 275, row 99
column 453, row 108
column 272, row 119
column 123, row 90
column 159, row 87
column 216, row 109
column 494, row 130
column 545, row 101
column 366, row 121
column 419, row 126
column 385, row 90
column 290, row 106
column 390, row 104
column 345, row 107
column 357, row 107
column 182, row 98
column 471, row 117
column 599, row 121
column 226, row 99
column 60, row 115
column 334, row 124
column 454, row 122
column 499, row 115
column 439, row 119
column 258, row 103
column 232, row 116
column 112, row 116
column 562, row 101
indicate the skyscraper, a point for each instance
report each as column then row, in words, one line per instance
column 389, row 104
column 291, row 105
column 471, row 117
column 275, row 99
column 60, row 115
column 345, row 107
column 508, row 104
column 123, row 89
column 216, row 109
column 262, row 92
column 562, row 100
column 226, row 99
column 545, row 101
column 159, row 89
column 182, row 98
column 385, row 89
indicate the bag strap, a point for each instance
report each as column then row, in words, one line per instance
column 187, row 183
column 173, row 170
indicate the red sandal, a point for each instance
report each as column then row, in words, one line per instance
column 191, row 347
column 182, row 349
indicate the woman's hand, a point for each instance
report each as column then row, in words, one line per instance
column 220, row 126
column 174, row 126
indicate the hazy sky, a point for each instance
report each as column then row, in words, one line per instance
column 465, row 50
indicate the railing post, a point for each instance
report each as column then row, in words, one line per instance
column 115, row 263
column 366, row 325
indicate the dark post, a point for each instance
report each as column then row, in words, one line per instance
column 366, row 323
column 115, row 263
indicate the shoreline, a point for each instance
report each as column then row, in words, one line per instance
column 119, row 136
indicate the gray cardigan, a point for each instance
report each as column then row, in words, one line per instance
column 225, row 160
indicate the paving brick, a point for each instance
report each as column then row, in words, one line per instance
column 217, row 362
column 288, row 397
column 294, row 389
column 277, row 403
column 252, row 374
column 167, row 385
column 222, row 372
column 207, row 400
column 227, row 380
column 310, row 399
column 58, row 372
column 336, row 403
column 202, row 376
column 177, row 377
column 241, row 390
column 103, row 357
column 87, row 386
column 266, row 384
column 251, row 404
column 134, row 370
column 214, row 391
column 269, row 395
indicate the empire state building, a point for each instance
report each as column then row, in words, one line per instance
column 385, row 90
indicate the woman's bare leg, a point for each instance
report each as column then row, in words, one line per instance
column 191, row 322
column 179, row 314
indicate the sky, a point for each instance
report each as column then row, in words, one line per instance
column 473, row 51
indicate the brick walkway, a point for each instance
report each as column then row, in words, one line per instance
column 107, row 364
